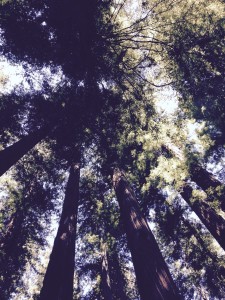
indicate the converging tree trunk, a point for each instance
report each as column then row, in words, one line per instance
column 10, row 155
column 11, row 243
column 203, row 178
column 14, row 223
column 153, row 278
column 58, row 281
column 105, row 278
column 194, row 232
column 213, row 222
column 206, row 180
column 118, row 282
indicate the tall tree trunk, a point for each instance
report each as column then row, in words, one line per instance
column 105, row 278
column 206, row 180
column 113, row 281
column 213, row 222
column 118, row 282
column 153, row 278
column 199, row 239
column 198, row 174
column 10, row 155
column 77, row 290
column 203, row 178
column 11, row 244
column 12, row 229
column 58, row 281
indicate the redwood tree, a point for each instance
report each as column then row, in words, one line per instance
column 10, row 155
column 153, row 277
column 58, row 281
column 214, row 222
column 105, row 277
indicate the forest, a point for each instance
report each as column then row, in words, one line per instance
column 112, row 159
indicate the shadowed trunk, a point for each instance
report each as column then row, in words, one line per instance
column 213, row 222
column 118, row 281
column 12, row 227
column 58, row 281
column 153, row 278
column 193, row 231
column 215, row 264
column 10, row 155
column 198, row 174
column 105, row 279
column 206, row 180
column 113, row 282
column 11, row 244
column 203, row 178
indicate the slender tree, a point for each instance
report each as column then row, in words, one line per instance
column 214, row 222
column 10, row 155
column 102, row 241
column 105, row 277
column 58, row 281
column 207, row 181
column 203, row 178
column 191, row 247
column 26, row 208
column 153, row 277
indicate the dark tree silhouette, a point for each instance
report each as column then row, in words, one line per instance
column 153, row 277
column 58, row 281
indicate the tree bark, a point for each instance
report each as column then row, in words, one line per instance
column 203, row 178
column 58, row 281
column 193, row 231
column 118, row 282
column 213, row 222
column 10, row 155
column 153, row 278
column 12, row 229
column 105, row 278
column 11, row 244
column 206, row 180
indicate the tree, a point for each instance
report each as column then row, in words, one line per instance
column 190, row 246
column 26, row 208
column 214, row 222
column 100, row 240
column 10, row 155
column 196, row 48
column 105, row 278
column 212, row 186
column 156, row 279
column 58, row 281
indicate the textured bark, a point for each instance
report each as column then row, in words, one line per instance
column 213, row 222
column 203, row 178
column 113, row 281
column 11, row 243
column 118, row 282
column 10, row 155
column 105, row 278
column 153, row 278
column 58, row 281
column 12, row 229
column 206, row 180
column 199, row 238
